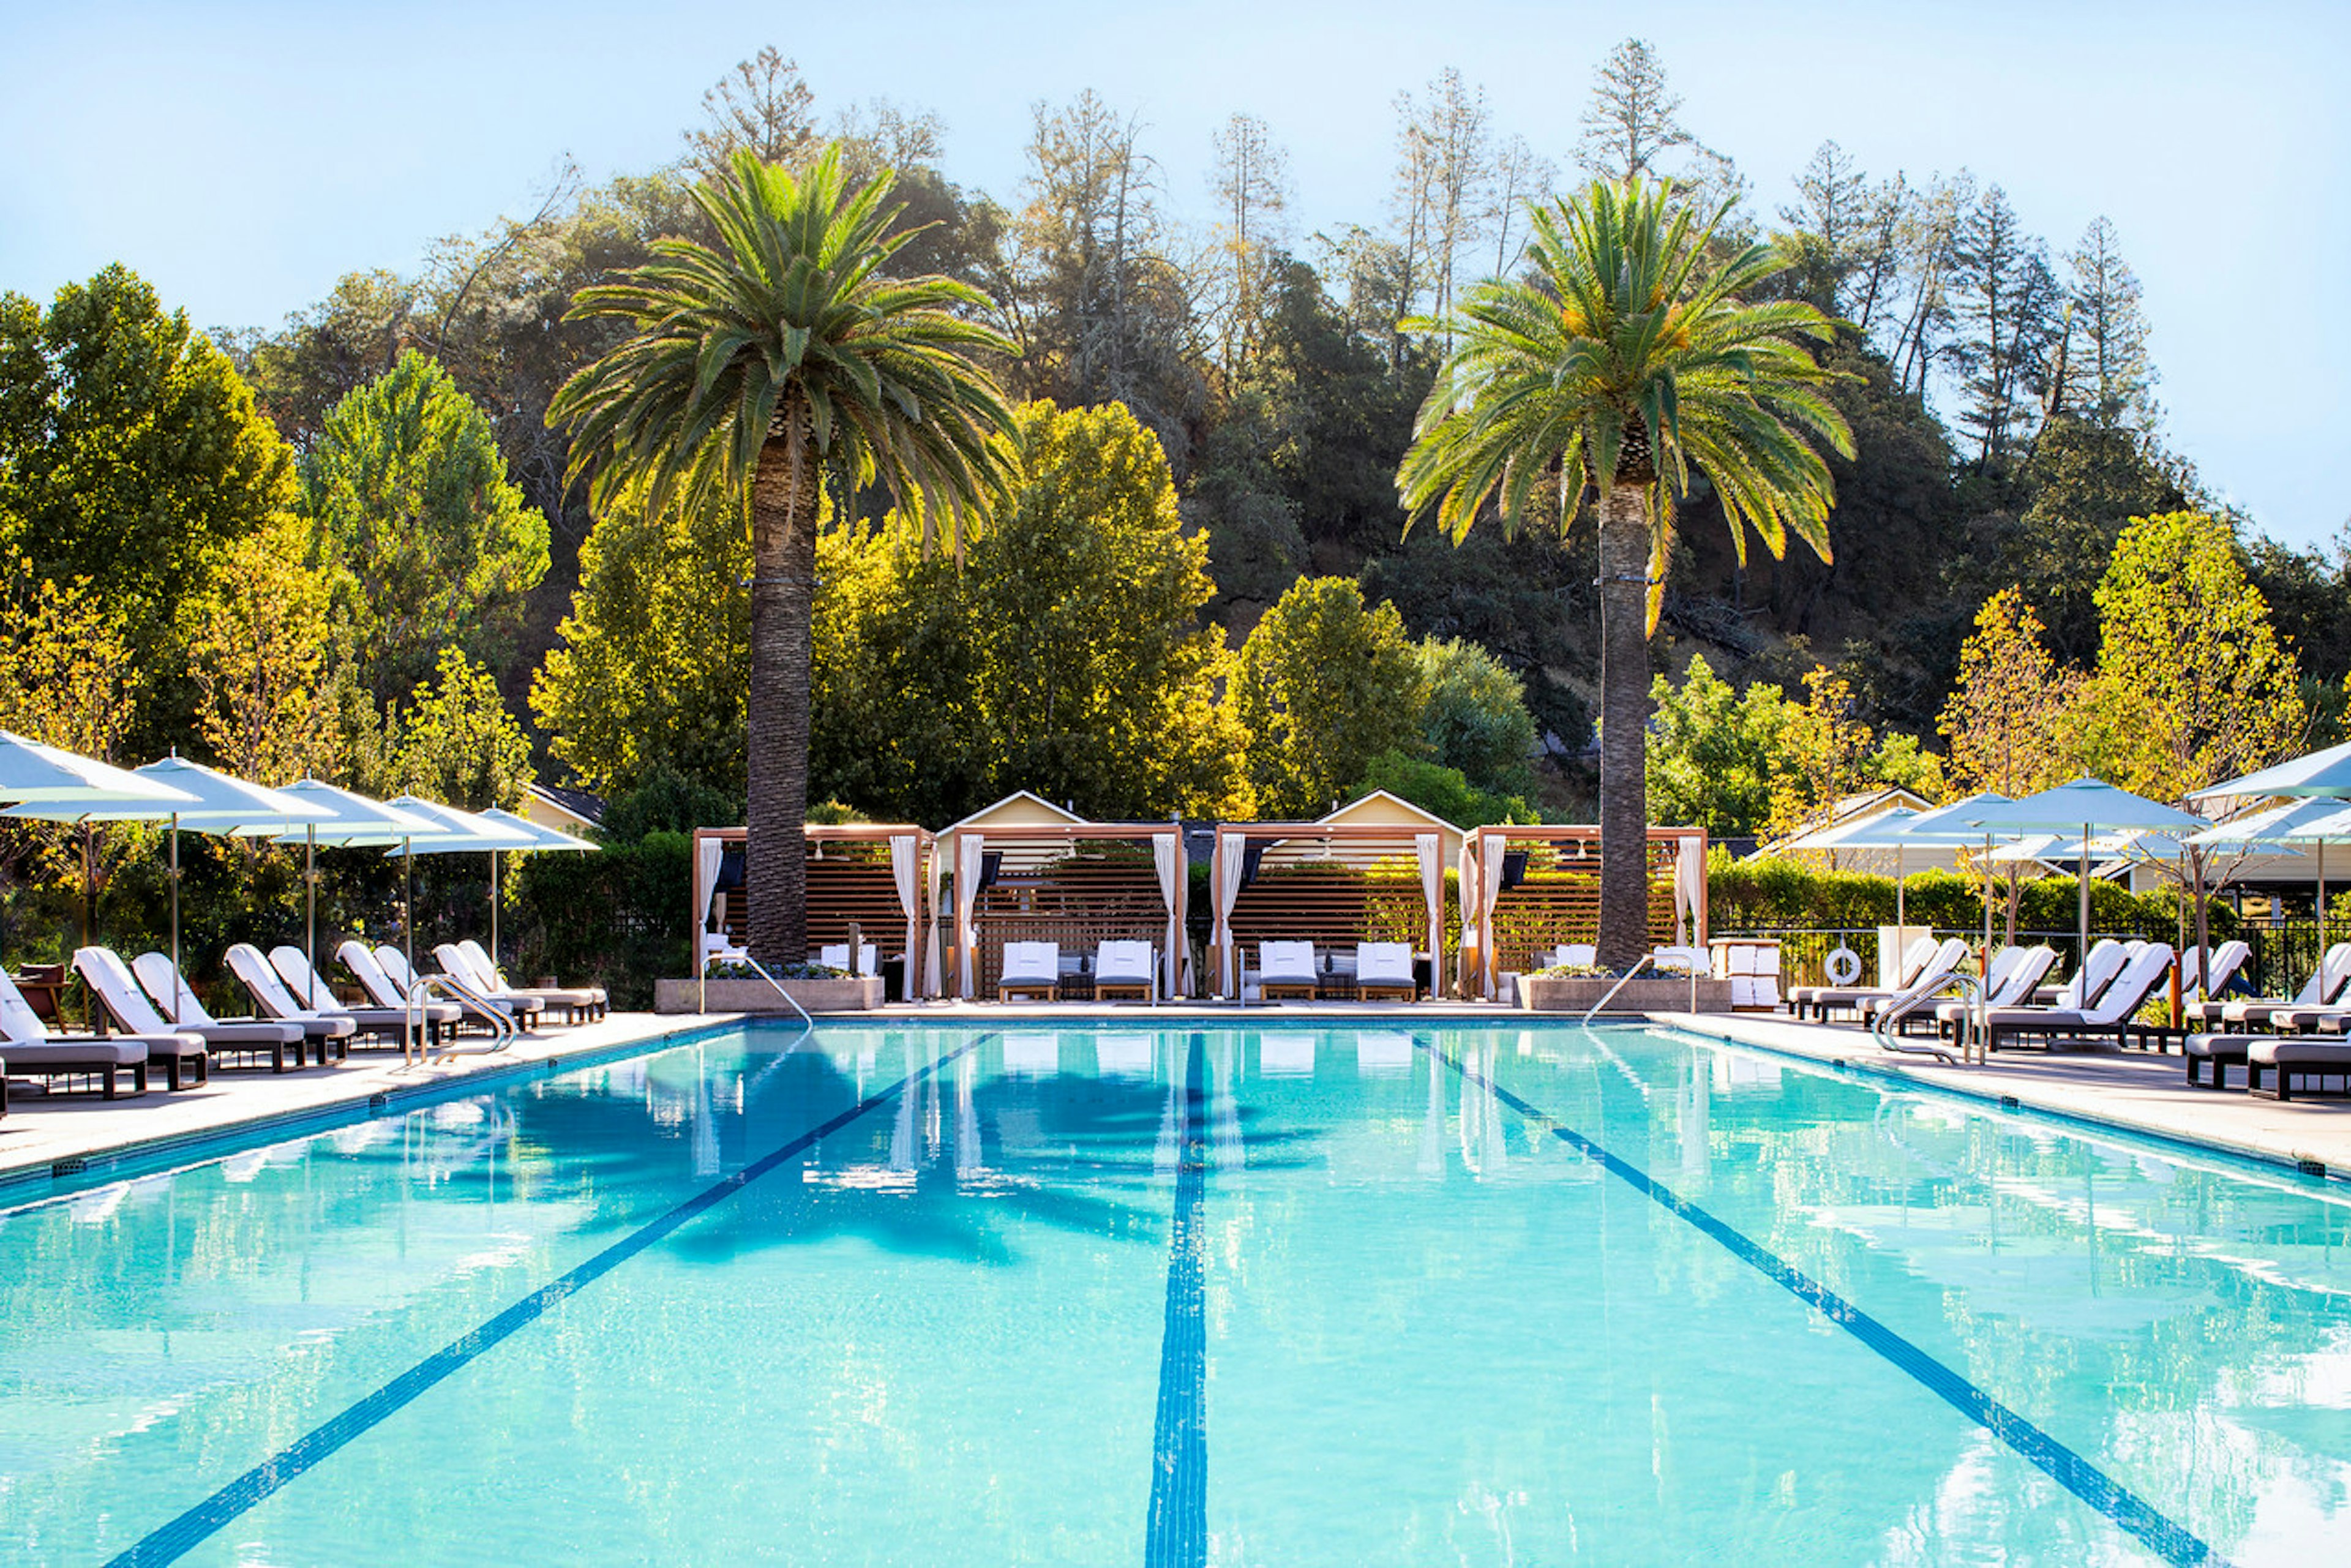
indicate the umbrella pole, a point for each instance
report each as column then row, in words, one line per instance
column 407, row 905
column 2083, row 882
column 175, row 917
column 310, row 908
column 494, row 909
column 2322, row 898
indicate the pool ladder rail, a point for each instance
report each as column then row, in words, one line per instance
column 504, row 1030
column 702, row 997
column 1971, row 1034
column 1626, row 978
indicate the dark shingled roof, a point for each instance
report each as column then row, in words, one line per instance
column 579, row 802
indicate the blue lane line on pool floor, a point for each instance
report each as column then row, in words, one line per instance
column 1176, row 1535
column 2170, row 1540
column 171, row 1542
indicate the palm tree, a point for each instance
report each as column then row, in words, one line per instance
column 754, row 369
column 1619, row 360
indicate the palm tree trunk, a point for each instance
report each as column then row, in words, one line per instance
column 1623, row 726
column 783, row 588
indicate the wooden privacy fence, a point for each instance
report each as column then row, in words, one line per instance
column 1527, row 890
column 1333, row 884
column 869, row 875
column 1076, row 885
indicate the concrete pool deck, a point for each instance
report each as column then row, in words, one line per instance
column 47, row 1137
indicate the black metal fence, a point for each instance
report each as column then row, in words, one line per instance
column 2283, row 958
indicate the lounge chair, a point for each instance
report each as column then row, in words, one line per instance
column 2289, row 1060
column 378, row 1018
column 2227, row 960
column 1680, row 961
column 1286, row 970
column 1920, row 999
column 177, row 1001
column 333, row 1030
column 2016, row 974
column 507, row 1012
column 1574, row 956
column 1941, row 962
column 1384, row 972
column 2325, row 1015
column 34, row 1051
column 2210, row 1055
column 468, row 962
column 1033, row 970
column 1819, row 999
column 835, row 956
column 1125, row 971
column 2112, row 1010
column 2324, row 989
column 110, row 979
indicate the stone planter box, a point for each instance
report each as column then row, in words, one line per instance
column 1642, row 994
column 842, row 996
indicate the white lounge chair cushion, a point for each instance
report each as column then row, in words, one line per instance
column 1383, row 964
column 1031, row 963
column 835, row 956
column 1285, row 962
column 1127, row 963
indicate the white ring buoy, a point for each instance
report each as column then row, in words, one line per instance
column 1844, row 966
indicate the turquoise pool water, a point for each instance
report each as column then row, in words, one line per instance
column 1272, row 1295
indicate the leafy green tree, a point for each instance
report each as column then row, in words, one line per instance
column 267, row 655
column 130, row 457
column 407, row 493
column 1712, row 751
column 1325, row 684
column 454, row 740
column 2007, row 722
column 650, row 673
column 754, row 367
column 2192, row 685
column 1101, row 685
column 1473, row 716
column 1624, row 359
column 1434, row 787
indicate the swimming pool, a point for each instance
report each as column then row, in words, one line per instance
column 1276, row 1294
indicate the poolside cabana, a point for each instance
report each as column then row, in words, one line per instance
column 1527, row 889
column 1370, row 872
column 1028, row 870
column 869, row 875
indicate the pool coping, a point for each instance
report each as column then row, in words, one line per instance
column 363, row 1089
column 2266, row 1132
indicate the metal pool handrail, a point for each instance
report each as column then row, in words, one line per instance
column 1625, row 980
column 702, row 1000
column 504, row 1030
column 1971, row 987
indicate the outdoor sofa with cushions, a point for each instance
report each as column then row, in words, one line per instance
column 1031, row 970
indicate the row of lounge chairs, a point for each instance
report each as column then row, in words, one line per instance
column 2294, row 1053
column 152, row 1017
column 1129, row 971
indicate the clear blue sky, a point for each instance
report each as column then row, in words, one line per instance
column 242, row 156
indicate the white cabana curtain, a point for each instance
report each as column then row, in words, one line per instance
column 1428, row 849
column 934, row 975
column 1167, row 852
column 967, row 848
column 903, row 872
column 707, row 855
column 1233, row 855
column 1473, row 919
column 1690, row 888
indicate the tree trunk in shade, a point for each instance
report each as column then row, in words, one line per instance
column 784, row 492
column 1624, row 726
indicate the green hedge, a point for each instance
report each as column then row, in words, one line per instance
column 617, row 918
column 1766, row 894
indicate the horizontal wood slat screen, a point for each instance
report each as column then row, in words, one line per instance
column 1559, row 903
column 1332, row 907
column 1076, row 901
column 845, row 883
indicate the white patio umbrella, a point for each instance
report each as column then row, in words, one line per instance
column 2088, row 805
column 545, row 838
column 53, row 785
column 2330, row 822
column 355, row 819
column 464, row 832
column 1887, row 831
column 2324, row 773
column 212, row 803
